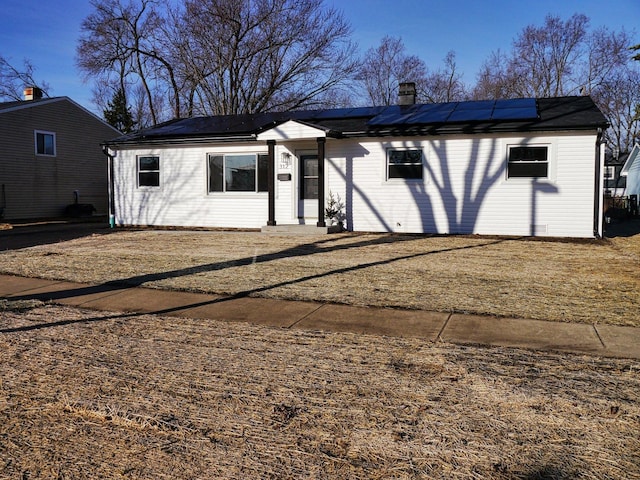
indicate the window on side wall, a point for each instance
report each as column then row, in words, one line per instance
column 528, row 162
column 238, row 173
column 148, row 171
column 405, row 164
column 45, row 143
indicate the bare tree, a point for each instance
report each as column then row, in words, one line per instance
column 545, row 56
column 218, row 56
column 543, row 63
column 385, row 67
column 618, row 97
column 556, row 59
column 444, row 85
column 120, row 45
column 495, row 80
column 261, row 55
column 565, row 58
column 605, row 54
column 13, row 80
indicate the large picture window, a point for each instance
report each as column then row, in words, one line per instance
column 45, row 143
column 405, row 164
column 149, row 171
column 528, row 162
column 238, row 173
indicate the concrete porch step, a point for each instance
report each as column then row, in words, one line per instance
column 301, row 229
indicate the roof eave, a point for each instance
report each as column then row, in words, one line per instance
column 440, row 129
column 179, row 140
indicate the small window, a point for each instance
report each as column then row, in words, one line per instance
column 528, row 162
column 238, row 173
column 612, row 177
column 405, row 164
column 149, row 171
column 45, row 143
column 609, row 172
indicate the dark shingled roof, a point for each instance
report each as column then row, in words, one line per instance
column 485, row 116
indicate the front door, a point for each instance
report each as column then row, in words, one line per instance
column 308, row 185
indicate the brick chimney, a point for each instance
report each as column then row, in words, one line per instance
column 407, row 93
column 32, row 93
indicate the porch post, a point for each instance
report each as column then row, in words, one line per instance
column 271, row 144
column 321, row 141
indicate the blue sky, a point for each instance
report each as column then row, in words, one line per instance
column 47, row 32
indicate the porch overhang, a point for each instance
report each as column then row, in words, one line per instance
column 295, row 130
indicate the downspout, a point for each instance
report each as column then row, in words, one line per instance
column 112, row 203
column 598, row 218
column 321, row 141
column 271, row 146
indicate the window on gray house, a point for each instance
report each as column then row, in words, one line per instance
column 405, row 164
column 528, row 162
column 149, row 171
column 45, row 143
column 238, row 173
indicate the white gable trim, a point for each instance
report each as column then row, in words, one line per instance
column 292, row 130
column 635, row 153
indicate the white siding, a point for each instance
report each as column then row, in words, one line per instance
column 182, row 198
column 464, row 187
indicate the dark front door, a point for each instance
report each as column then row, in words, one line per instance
column 308, row 189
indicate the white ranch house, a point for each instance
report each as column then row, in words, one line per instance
column 525, row 167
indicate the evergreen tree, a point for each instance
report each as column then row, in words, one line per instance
column 118, row 114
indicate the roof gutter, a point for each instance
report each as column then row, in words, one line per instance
column 598, row 217
column 179, row 141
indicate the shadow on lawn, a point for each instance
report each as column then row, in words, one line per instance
column 313, row 248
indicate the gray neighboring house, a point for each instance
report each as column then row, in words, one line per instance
column 51, row 158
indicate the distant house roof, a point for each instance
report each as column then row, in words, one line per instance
column 474, row 117
column 6, row 107
column 20, row 104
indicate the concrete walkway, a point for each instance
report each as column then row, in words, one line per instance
column 601, row 340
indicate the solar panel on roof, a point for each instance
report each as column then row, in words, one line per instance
column 472, row 111
column 393, row 115
column 432, row 113
column 514, row 113
column 470, row 115
column 341, row 113
column 515, row 109
column 516, row 103
column 476, row 105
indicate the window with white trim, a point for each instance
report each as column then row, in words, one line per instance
column 404, row 163
column 238, row 172
column 148, row 171
column 45, row 143
column 530, row 161
column 609, row 172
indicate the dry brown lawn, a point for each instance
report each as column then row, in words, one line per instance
column 572, row 281
column 87, row 394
